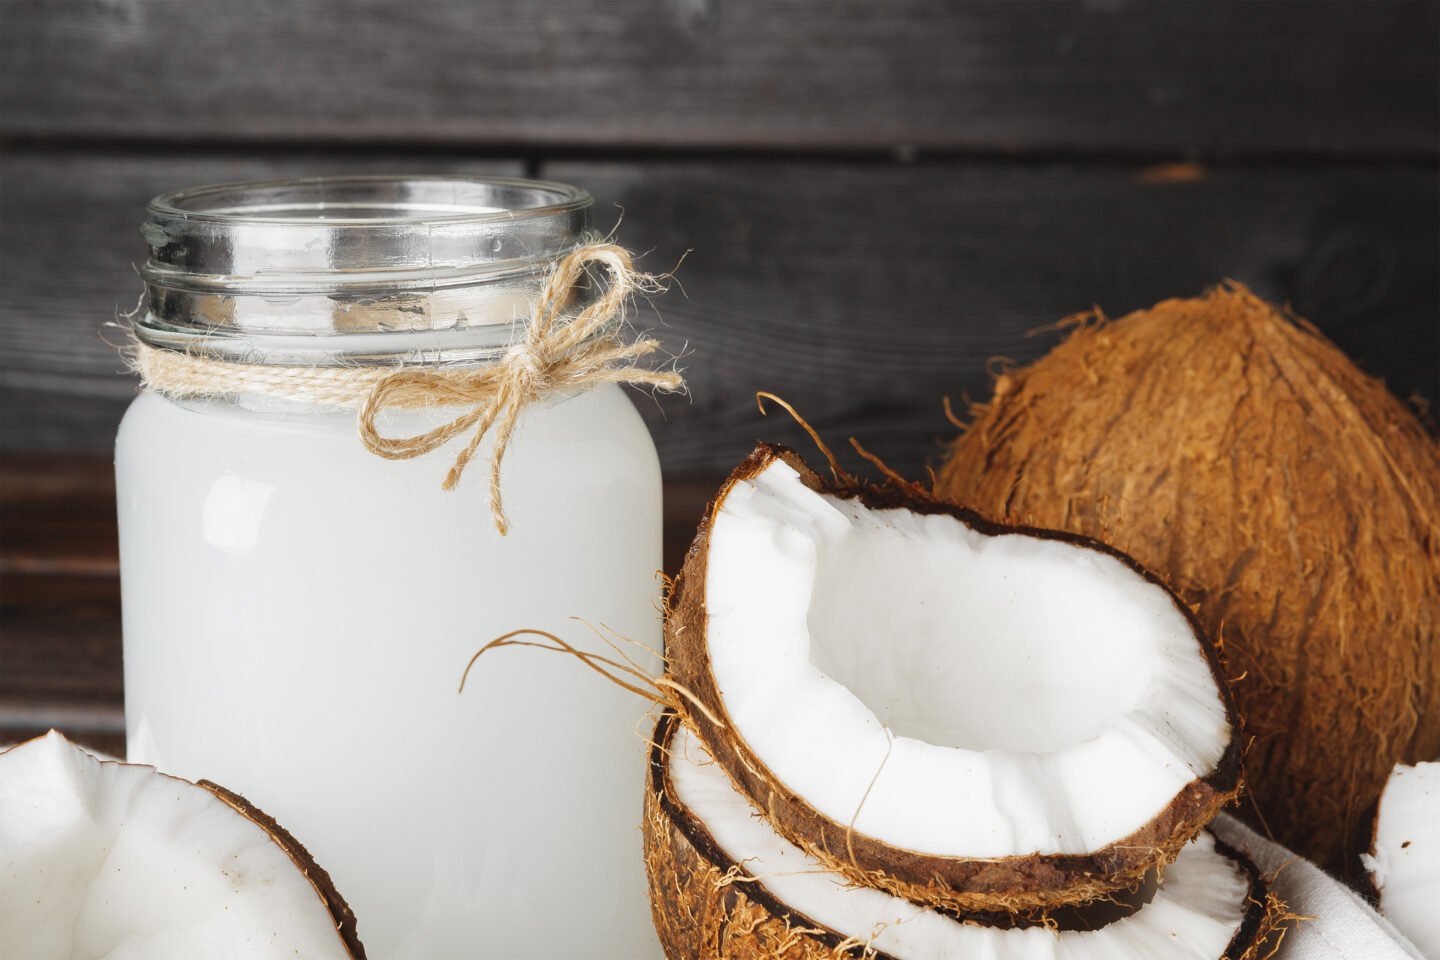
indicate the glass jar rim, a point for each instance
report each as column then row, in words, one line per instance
column 179, row 204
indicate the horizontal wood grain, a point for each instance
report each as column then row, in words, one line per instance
column 1183, row 77
column 862, row 293
column 61, row 638
column 60, row 601
column 864, row 296
column 63, row 664
column 57, row 518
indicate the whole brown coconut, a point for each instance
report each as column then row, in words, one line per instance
column 1235, row 450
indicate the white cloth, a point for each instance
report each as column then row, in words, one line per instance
column 1344, row 926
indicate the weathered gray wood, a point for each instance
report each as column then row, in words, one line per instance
column 863, row 295
column 861, row 292
column 1153, row 78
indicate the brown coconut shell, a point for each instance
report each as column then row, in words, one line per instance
column 706, row 906
column 1290, row 497
column 1032, row 884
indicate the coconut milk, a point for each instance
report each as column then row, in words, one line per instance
column 297, row 615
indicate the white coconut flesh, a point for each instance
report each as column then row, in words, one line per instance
column 949, row 692
column 1195, row 913
column 1404, row 863
column 105, row 859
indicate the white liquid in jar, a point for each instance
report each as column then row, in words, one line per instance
column 297, row 615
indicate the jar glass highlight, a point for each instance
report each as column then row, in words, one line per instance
column 298, row 612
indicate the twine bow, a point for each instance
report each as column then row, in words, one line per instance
column 559, row 352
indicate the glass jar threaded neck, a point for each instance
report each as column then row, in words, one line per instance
column 335, row 270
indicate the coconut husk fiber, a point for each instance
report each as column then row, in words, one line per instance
column 705, row 906
column 1291, row 498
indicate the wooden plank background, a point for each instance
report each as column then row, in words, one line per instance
column 861, row 292
column 1172, row 77
column 877, row 197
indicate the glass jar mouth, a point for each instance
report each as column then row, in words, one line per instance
column 393, row 200
column 338, row 269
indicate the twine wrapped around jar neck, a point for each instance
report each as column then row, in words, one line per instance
column 560, row 352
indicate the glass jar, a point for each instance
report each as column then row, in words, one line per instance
column 298, row 611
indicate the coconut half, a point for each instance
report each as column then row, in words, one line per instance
column 960, row 713
column 107, row 859
column 723, row 883
column 1404, row 858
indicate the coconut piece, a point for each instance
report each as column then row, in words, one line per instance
column 108, row 859
column 1404, row 858
column 1234, row 450
column 723, row 883
column 963, row 714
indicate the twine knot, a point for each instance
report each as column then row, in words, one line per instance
column 559, row 352
column 525, row 363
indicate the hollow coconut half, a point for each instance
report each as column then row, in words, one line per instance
column 969, row 715
column 723, row 883
column 1404, row 858
column 107, row 859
